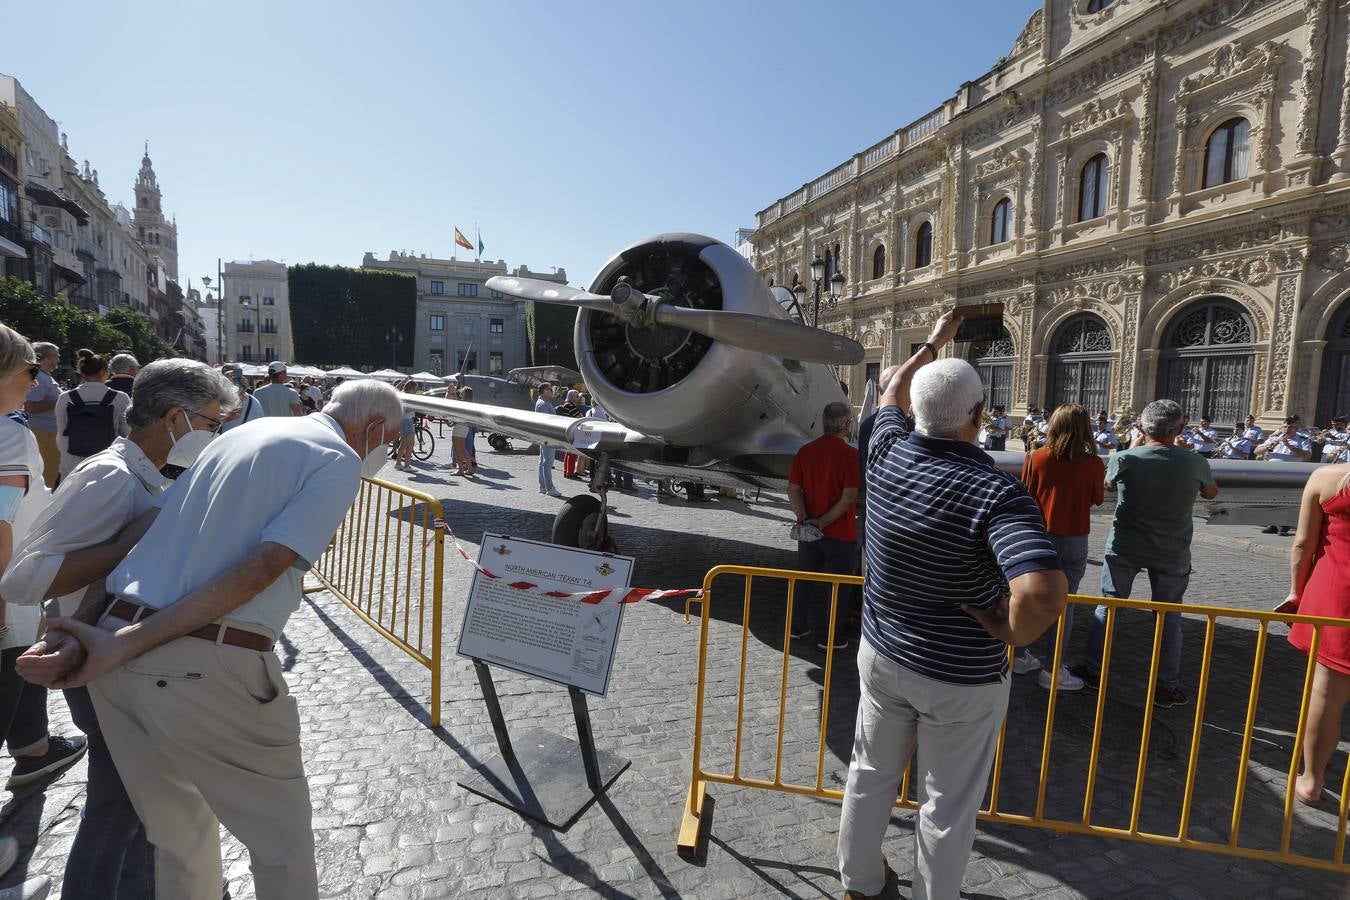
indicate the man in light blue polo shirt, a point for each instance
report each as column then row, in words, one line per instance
column 189, row 693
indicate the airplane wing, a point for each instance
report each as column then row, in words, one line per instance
column 537, row 375
column 540, row 428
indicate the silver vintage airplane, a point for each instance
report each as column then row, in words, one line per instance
column 711, row 376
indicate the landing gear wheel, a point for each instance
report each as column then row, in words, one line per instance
column 580, row 524
column 499, row 442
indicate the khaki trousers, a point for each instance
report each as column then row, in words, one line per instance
column 206, row 734
column 956, row 729
column 51, row 456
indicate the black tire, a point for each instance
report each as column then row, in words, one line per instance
column 499, row 442
column 425, row 443
column 576, row 522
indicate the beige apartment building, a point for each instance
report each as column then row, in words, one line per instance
column 256, row 312
column 1157, row 192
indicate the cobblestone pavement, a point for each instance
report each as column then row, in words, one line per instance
column 391, row 821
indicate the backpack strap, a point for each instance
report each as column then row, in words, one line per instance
column 108, row 397
column 75, row 399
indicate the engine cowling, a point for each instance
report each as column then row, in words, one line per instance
column 666, row 381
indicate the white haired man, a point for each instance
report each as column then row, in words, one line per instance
column 823, row 491
column 188, row 690
column 958, row 566
column 177, row 408
column 123, row 370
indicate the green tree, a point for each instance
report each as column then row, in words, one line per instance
column 340, row 316
column 41, row 318
column 36, row 317
column 145, row 345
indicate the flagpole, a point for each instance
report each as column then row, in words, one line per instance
column 478, row 242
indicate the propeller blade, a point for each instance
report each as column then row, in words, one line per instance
column 776, row 337
column 548, row 292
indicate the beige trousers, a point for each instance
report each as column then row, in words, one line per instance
column 956, row 729
column 203, row 735
column 51, row 456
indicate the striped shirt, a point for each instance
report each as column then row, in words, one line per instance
column 944, row 527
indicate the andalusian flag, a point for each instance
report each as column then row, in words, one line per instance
column 480, row 241
column 461, row 240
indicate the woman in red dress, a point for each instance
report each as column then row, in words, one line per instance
column 1320, row 586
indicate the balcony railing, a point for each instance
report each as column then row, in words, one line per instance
column 10, row 232
column 7, row 161
column 886, row 149
column 244, row 328
column 39, row 234
column 268, row 329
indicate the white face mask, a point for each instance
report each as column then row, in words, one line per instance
column 375, row 457
column 187, row 448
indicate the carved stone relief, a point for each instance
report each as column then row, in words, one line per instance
column 1285, row 296
column 1129, row 349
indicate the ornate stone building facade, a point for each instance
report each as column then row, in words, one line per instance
column 1157, row 193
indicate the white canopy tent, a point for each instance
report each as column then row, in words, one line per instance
column 426, row 377
column 388, row 375
column 345, row 372
column 305, row 372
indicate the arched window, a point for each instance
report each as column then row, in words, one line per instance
column 1228, row 152
column 994, row 361
column 923, row 245
column 829, row 264
column 1206, row 361
column 998, row 222
column 795, row 280
column 1092, row 188
column 1080, row 363
column 1334, row 396
column 879, row 261
column 1095, row 6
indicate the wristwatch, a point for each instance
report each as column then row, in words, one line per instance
column 931, row 349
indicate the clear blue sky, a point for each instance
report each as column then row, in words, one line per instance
column 314, row 131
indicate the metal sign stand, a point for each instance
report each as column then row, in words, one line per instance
column 541, row 775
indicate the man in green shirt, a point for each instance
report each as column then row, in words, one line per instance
column 1157, row 483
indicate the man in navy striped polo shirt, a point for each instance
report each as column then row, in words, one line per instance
column 958, row 567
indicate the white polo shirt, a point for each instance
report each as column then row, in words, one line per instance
column 104, row 494
column 285, row 481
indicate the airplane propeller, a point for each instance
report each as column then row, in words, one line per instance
column 762, row 334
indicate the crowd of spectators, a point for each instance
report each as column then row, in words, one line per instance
column 149, row 565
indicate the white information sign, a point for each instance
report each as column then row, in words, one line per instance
column 560, row 640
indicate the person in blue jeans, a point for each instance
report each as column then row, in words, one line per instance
column 544, row 404
column 1066, row 478
column 1157, row 483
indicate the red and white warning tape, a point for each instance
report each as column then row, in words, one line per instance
column 605, row 595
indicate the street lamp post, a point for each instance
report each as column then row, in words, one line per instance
column 835, row 285
column 220, row 319
column 394, row 338
column 546, row 347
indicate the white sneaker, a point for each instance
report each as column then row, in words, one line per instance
column 554, row 492
column 1067, row 680
column 1024, row 663
column 32, row 889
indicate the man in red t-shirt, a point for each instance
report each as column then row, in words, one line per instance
column 822, row 488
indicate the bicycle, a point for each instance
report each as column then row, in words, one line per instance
column 424, row 444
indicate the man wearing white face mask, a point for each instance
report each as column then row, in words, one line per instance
column 85, row 531
column 188, row 691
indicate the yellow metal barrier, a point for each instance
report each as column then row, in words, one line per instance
column 692, row 824
column 386, row 562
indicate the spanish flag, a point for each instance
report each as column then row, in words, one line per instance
column 461, row 240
